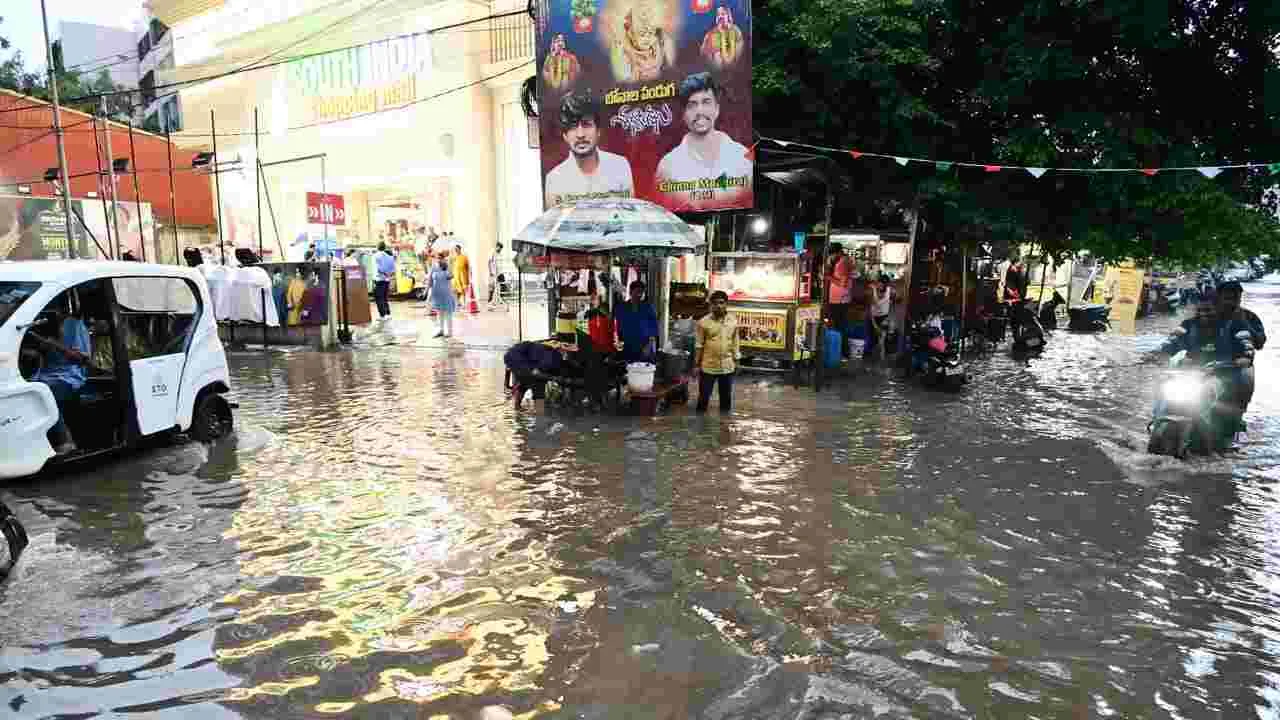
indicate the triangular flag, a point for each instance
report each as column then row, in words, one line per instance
column 751, row 152
column 857, row 155
column 1274, row 168
column 992, row 168
column 1210, row 172
column 901, row 160
column 1150, row 171
column 943, row 165
column 1037, row 171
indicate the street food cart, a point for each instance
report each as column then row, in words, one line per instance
column 577, row 247
column 769, row 297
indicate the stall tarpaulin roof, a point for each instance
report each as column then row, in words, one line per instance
column 630, row 229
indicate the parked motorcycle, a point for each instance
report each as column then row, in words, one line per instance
column 1028, row 334
column 1049, row 311
column 1194, row 411
column 1168, row 299
column 1089, row 318
column 15, row 538
column 937, row 360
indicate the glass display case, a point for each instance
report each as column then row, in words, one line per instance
column 769, row 299
column 757, row 277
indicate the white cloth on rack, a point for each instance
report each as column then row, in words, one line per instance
column 584, row 281
column 218, row 278
column 250, row 295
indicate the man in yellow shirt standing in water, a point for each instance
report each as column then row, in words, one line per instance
column 716, row 337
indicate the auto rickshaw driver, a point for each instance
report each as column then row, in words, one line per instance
column 63, row 368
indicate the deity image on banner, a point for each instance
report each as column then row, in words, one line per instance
column 640, row 36
column 723, row 44
column 561, row 68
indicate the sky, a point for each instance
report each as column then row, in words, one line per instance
column 21, row 24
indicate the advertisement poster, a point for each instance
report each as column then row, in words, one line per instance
column 33, row 228
column 648, row 99
column 762, row 329
column 301, row 292
column 137, row 231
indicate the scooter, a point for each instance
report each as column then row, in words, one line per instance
column 15, row 537
column 1049, row 311
column 1193, row 413
column 1089, row 318
column 1168, row 299
column 1028, row 333
column 937, row 360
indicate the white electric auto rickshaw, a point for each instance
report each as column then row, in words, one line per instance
column 155, row 365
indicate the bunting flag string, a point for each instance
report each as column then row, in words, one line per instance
column 1209, row 171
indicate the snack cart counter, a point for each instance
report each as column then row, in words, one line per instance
column 769, row 297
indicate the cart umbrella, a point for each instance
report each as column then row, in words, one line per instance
column 620, row 228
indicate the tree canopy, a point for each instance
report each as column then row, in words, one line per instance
column 1044, row 83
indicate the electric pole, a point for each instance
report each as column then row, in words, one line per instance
column 57, row 130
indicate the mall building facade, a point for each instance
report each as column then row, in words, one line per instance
column 408, row 109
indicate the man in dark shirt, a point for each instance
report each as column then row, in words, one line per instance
column 637, row 326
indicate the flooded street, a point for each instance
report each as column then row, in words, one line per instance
column 385, row 537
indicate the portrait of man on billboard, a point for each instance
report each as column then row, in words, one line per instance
column 708, row 168
column 588, row 172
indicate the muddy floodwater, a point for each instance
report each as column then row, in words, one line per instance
column 384, row 537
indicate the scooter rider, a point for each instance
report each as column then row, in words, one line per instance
column 1219, row 320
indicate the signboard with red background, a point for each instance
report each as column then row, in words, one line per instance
column 326, row 209
column 632, row 57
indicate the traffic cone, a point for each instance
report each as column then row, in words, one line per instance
column 473, row 307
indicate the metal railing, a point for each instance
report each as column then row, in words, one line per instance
column 511, row 38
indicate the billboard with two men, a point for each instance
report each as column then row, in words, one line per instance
column 647, row 99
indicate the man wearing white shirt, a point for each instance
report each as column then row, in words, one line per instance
column 588, row 172
column 708, row 169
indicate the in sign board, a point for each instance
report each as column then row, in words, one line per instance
column 326, row 209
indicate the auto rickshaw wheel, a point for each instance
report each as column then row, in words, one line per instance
column 211, row 419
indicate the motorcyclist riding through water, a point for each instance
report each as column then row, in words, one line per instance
column 1212, row 333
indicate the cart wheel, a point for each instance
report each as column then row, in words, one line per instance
column 211, row 419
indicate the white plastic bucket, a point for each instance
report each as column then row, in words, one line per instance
column 640, row 376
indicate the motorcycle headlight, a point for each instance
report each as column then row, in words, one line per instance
column 1183, row 390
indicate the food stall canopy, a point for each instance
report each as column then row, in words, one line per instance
column 803, row 172
column 618, row 228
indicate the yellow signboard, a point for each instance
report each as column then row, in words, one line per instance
column 762, row 329
column 805, row 314
column 1124, row 285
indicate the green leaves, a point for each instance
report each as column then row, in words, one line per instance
column 1085, row 84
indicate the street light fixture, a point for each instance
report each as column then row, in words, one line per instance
column 760, row 225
